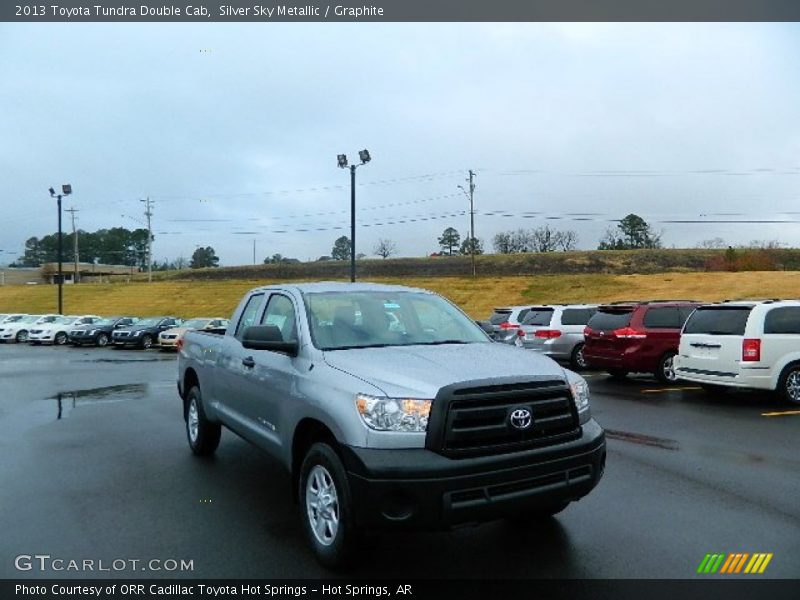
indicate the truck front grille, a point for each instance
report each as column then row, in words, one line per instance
column 477, row 419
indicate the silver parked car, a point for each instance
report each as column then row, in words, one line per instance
column 505, row 321
column 556, row 330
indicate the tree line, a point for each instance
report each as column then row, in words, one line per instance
column 115, row 246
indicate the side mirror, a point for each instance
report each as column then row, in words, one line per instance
column 486, row 326
column 268, row 337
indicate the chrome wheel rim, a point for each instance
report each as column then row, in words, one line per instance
column 669, row 368
column 22, row 336
column 61, row 339
column 193, row 421
column 147, row 342
column 579, row 359
column 102, row 340
column 322, row 505
column 793, row 386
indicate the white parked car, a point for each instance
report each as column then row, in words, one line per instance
column 10, row 318
column 17, row 330
column 57, row 331
column 752, row 345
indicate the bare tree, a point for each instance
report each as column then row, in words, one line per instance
column 384, row 248
column 502, row 243
column 521, row 241
column 544, row 239
column 566, row 240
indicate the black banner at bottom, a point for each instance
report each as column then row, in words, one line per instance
column 344, row 589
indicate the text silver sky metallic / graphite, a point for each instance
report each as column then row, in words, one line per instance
column 406, row 11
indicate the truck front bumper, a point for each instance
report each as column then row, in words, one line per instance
column 419, row 489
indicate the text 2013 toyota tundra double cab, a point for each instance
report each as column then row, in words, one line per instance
column 390, row 408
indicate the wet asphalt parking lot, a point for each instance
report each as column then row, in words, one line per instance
column 96, row 466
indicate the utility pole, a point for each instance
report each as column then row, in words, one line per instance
column 72, row 210
column 148, row 212
column 471, row 197
column 472, row 219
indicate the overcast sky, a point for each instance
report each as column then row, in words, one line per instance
column 233, row 131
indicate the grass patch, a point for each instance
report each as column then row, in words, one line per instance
column 476, row 296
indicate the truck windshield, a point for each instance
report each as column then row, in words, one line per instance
column 341, row 320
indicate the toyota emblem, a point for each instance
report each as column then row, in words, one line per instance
column 521, row 418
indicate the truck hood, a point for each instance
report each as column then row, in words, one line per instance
column 420, row 371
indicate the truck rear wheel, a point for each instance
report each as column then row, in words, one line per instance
column 203, row 435
column 326, row 507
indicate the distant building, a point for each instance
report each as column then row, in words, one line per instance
column 87, row 272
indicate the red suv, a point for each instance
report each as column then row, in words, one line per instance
column 629, row 337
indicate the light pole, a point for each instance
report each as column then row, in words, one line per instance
column 364, row 156
column 66, row 190
column 470, row 196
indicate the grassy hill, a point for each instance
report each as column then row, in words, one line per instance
column 213, row 297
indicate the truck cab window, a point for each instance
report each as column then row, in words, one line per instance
column 249, row 314
column 280, row 313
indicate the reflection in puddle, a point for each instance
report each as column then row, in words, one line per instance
column 66, row 401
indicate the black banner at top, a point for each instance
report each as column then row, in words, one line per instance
column 398, row 10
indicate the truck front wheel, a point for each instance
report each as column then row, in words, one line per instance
column 326, row 507
column 203, row 435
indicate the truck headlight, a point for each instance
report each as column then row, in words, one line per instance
column 394, row 414
column 580, row 391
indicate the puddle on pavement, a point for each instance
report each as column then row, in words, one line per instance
column 66, row 401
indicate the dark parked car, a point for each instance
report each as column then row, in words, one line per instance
column 144, row 333
column 99, row 332
column 637, row 337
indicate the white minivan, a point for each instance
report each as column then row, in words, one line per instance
column 743, row 344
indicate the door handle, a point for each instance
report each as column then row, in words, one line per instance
column 249, row 362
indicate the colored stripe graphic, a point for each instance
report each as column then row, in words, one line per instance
column 734, row 562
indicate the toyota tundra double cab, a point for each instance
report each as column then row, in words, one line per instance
column 390, row 408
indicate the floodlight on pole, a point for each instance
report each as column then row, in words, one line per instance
column 364, row 157
column 66, row 190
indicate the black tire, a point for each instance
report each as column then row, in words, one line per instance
column 533, row 517
column 147, row 342
column 60, row 339
column 618, row 374
column 577, row 361
column 22, row 336
column 337, row 548
column 202, row 434
column 789, row 384
column 101, row 340
column 666, row 368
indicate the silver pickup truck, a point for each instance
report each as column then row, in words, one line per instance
column 390, row 408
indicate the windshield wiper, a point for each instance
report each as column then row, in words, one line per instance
column 439, row 342
column 355, row 347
